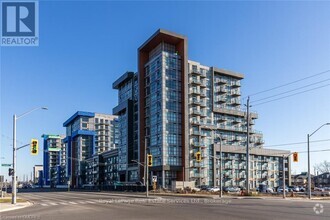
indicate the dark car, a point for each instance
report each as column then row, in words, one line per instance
column 204, row 187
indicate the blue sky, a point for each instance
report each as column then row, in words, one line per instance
column 85, row 45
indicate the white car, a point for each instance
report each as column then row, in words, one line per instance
column 215, row 189
column 280, row 189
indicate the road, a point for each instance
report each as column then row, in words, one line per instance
column 96, row 205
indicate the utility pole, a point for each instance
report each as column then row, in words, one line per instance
column 283, row 164
column 309, row 170
column 247, row 146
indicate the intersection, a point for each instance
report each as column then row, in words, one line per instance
column 104, row 205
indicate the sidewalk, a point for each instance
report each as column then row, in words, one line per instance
column 7, row 206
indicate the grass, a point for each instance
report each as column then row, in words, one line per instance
column 8, row 200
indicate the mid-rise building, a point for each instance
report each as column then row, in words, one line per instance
column 87, row 134
column 176, row 107
column 54, row 160
column 102, row 169
column 36, row 169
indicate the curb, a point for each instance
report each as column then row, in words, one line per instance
column 26, row 204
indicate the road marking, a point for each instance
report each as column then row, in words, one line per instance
column 52, row 203
column 73, row 203
column 44, row 204
column 91, row 202
column 63, row 203
column 82, row 202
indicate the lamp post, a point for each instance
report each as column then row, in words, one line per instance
column 309, row 168
column 220, row 167
column 15, row 118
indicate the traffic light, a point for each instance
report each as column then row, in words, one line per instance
column 295, row 157
column 10, row 171
column 149, row 160
column 198, row 156
column 34, row 147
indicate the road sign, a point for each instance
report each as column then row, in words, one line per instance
column 6, row 165
column 154, row 179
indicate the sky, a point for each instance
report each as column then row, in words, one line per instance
column 86, row 45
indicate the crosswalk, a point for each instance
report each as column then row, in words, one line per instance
column 66, row 203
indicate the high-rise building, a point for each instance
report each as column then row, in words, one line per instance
column 54, row 160
column 87, row 134
column 185, row 107
column 127, row 112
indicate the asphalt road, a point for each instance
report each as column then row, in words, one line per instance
column 95, row 206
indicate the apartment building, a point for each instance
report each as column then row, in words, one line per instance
column 54, row 160
column 127, row 112
column 36, row 169
column 102, row 169
column 87, row 134
column 181, row 107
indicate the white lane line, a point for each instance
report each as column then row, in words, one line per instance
column 44, row 204
column 91, row 202
column 81, row 202
column 63, row 203
column 73, row 203
column 53, row 203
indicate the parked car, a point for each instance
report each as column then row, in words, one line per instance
column 263, row 188
column 319, row 189
column 294, row 189
column 302, row 189
column 234, row 189
column 280, row 189
column 204, row 187
column 215, row 189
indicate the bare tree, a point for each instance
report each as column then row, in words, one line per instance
column 323, row 167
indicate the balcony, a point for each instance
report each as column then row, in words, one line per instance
column 260, row 142
column 195, row 121
column 236, row 84
column 235, row 93
column 203, row 83
column 221, row 91
column 195, row 72
column 220, row 100
column 197, row 133
column 221, row 81
column 235, row 102
column 195, row 81
column 221, row 119
column 195, row 112
column 195, row 91
column 203, row 114
column 237, row 121
column 203, row 93
column 195, row 101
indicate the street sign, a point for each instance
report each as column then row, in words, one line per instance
column 6, row 165
column 154, row 179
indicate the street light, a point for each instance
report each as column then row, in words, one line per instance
column 220, row 166
column 15, row 118
column 309, row 168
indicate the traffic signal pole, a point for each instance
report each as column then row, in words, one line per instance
column 13, row 193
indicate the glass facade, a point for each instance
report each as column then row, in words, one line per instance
column 163, row 109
